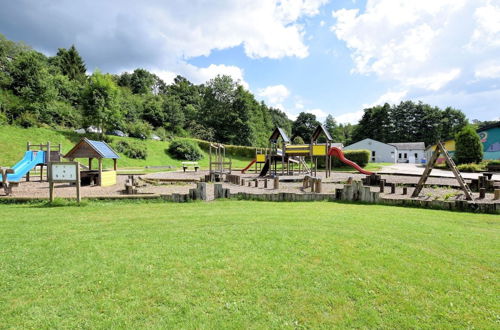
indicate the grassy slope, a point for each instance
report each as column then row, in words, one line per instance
column 238, row 264
column 13, row 145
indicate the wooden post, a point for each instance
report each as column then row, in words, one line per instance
column 78, row 196
column 393, row 188
column 265, row 183
column 51, row 191
column 90, row 163
column 382, row 185
column 41, row 173
column 496, row 194
column 276, row 183
column 100, row 170
column 114, row 164
column 256, row 183
column 405, row 190
column 482, row 193
column 318, row 186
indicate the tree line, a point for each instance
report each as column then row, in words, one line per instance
column 56, row 91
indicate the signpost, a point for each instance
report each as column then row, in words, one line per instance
column 60, row 172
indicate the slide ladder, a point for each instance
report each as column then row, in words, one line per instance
column 337, row 152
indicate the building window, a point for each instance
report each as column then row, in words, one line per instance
column 406, row 155
column 399, row 155
column 416, row 155
column 373, row 153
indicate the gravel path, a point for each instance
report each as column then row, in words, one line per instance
column 447, row 188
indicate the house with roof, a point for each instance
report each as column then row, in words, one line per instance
column 490, row 138
column 406, row 152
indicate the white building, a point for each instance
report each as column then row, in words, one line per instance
column 379, row 152
column 411, row 152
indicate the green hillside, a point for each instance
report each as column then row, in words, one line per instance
column 13, row 145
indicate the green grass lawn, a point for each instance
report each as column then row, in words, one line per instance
column 13, row 146
column 239, row 264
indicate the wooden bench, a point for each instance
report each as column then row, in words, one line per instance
column 186, row 165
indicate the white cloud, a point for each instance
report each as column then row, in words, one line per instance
column 350, row 117
column 274, row 95
column 390, row 97
column 424, row 44
column 320, row 114
column 199, row 75
column 488, row 70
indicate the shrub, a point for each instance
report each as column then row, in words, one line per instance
column 3, row 119
column 163, row 134
column 471, row 167
column 27, row 120
column 231, row 150
column 184, row 149
column 298, row 140
column 139, row 129
column 468, row 147
column 130, row 149
column 360, row 157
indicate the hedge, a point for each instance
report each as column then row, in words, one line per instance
column 231, row 150
column 360, row 157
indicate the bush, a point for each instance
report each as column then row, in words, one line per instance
column 3, row 119
column 468, row 146
column 163, row 134
column 471, row 167
column 231, row 150
column 139, row 129
column 298, row 140
column 184, row 149
column 130, row 149
column 27, row 120
column 360, row 157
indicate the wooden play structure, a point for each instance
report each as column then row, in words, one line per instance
column 36, row 155
column 440, row 149
column 52, row 154
column 219, row 164
column 293, row 157
column 95, row 150
column 258, row 161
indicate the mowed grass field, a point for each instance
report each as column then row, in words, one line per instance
column 239, row 264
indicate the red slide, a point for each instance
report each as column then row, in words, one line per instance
column 336, row 152
column 246, row 168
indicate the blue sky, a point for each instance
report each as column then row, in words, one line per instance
column 318, row 56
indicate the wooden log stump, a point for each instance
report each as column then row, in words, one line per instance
column 256, row 183
column 202, row 190
column 265, row 183
column 393, row 188
column 382, row 185
column 405, row 190
column 496, row 194
column 319, row 186
column 276, row 182
column 218, row 193
column 482, row 193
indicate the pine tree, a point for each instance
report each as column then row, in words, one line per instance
column 70, row 63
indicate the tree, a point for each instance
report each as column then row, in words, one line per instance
column 70, row 63
column 304, row 126
column 142, row 81
column 452, row 122
column 100, row 102
column 31, row 79
column 331, row 125
column 468, row 146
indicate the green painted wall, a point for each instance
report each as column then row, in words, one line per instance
column 490, row 139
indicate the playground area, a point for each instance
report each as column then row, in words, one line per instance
column 283, row 171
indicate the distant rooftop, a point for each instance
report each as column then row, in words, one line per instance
column 409, row 145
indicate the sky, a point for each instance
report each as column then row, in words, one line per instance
column 324, row 57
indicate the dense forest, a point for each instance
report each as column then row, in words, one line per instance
column 56, row 91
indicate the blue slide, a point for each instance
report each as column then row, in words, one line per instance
column 29, row 161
